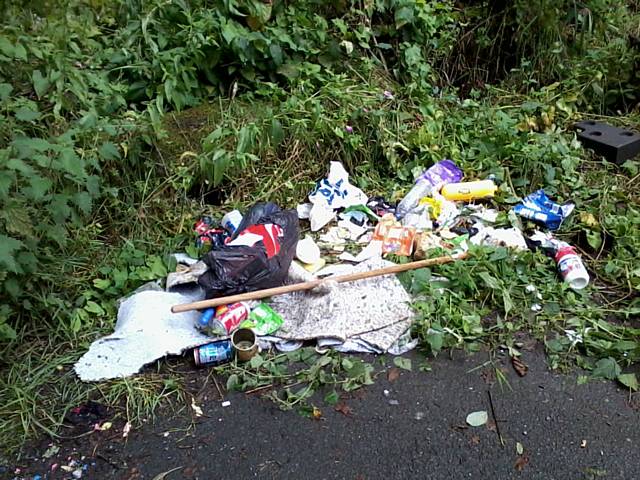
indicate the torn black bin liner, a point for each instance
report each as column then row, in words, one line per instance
column 245, row 268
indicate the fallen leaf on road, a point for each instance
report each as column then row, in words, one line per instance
column 343, row 408
column 475, row 439
column 519, row 366
column 477, row 419
column 521, row 462
column 316, row 413
column 393, row 374
column 404, row 363
column 163, row 475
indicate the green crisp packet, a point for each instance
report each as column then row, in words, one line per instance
column 263, row 320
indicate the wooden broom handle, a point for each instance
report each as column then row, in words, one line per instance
column 296, row 287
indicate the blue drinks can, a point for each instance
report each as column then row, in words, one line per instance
column 213, row 353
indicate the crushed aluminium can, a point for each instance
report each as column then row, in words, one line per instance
column 541, row 209
column 213, row 353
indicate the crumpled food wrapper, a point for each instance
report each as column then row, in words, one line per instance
column 332, row 193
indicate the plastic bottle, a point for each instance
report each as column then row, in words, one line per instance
column 469, row 190
column 410, row 201
column 571, row 267
column 445, row 171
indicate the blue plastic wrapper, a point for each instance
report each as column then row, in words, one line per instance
column 541, row 209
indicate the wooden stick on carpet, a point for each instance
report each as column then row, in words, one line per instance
column 296, row 287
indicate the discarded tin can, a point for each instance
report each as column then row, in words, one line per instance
column 245, row 342
column 223, row 320
column 213, row 353
column 230, row 316
column 571, row 267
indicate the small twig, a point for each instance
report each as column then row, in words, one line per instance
column 258, row 389
column 215, row 381
column 495, row 419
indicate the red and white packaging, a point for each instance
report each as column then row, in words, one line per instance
column 230, row 316
column 571, row 267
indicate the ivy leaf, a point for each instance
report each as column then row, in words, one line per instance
column 8, row 246
column 404, row 363
column 607, row 368
column 40, row 83
column 629, row 380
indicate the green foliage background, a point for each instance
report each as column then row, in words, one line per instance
column 120, row 121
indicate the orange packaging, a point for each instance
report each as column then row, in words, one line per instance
column 383, row 226
column 399, row 240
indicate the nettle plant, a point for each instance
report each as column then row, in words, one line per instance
column 57, row 142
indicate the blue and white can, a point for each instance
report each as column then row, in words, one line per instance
column 213, row 353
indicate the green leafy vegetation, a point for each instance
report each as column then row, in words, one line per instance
column 121, row 122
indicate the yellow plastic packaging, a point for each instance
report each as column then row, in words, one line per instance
column 469, row 190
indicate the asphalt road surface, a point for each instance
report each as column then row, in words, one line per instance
column 416, row 429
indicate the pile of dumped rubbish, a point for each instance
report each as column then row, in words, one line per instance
column 347, row 233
